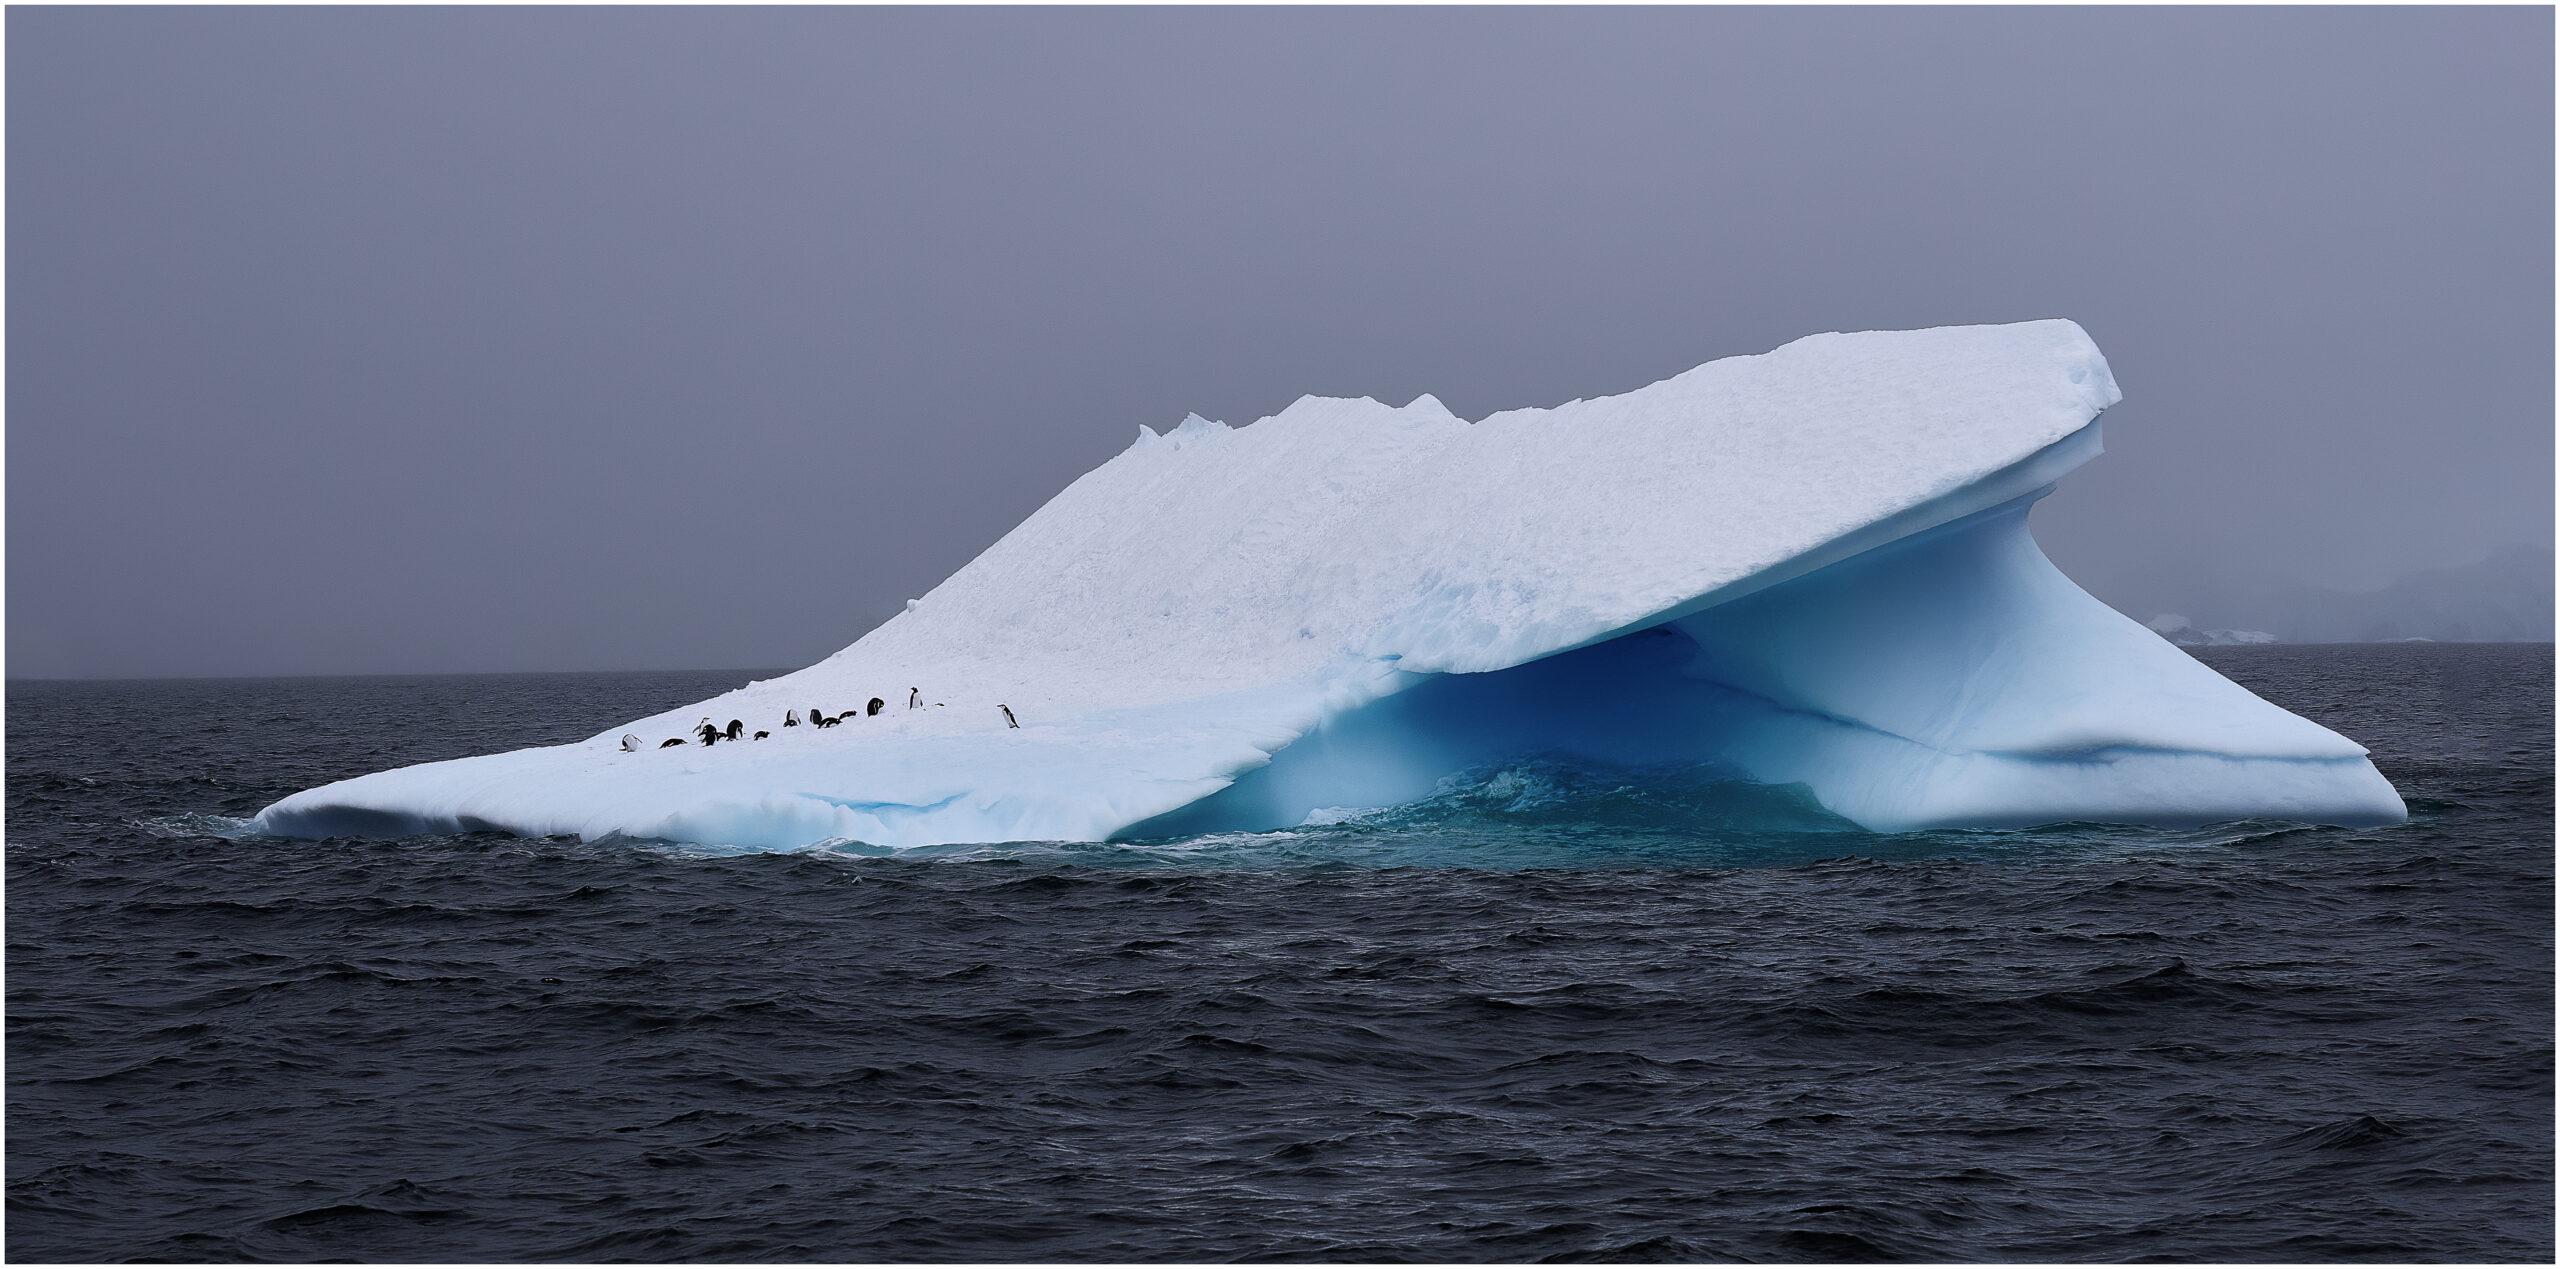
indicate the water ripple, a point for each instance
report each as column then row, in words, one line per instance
column 1550, row 1014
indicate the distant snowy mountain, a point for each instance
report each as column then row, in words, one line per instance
column 2182, row 632
column 2506, row 598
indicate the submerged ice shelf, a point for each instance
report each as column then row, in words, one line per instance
column 1808, row 567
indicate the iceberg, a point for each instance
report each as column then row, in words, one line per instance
column 1809, row 567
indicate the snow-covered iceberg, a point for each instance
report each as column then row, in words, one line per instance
column 1807, row 567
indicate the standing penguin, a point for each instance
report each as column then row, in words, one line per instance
column 708, row 732
column 1008, row 716
column 915, row 699
column 736, row 729
column 630, row 743
column 790, row 719
column 876, row 706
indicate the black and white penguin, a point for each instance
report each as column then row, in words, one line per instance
column 1008, row 716
column 915, row 699
column 630, row 743
column 876, row 705
column 814, row 716
column 671, row 742
column 762, row 734
column 706, row 731
column 790, row 719
column 735, row 730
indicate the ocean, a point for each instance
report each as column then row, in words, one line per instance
column 1551, row 1014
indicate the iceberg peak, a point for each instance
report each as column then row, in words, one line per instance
column 1429, row 407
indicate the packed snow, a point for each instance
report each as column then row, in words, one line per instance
column 1810, row 566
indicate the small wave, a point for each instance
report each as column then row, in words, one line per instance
column 1559, row 814
column 193, row 824
column 1693, row 799
column 1540, row 813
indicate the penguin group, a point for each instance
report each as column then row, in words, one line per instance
column 710, row 733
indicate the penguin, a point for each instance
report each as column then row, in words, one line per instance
column 915, row 699
column 1008, row 716
column 708, row 732
column 630, row 743
column 822, row 721
column 762, row 734
column 876, row 704
column 790, row 719
column 671, row 742
column 814, row 716
column 851, row 713
column 735, row 730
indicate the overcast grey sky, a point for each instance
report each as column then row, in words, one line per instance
column 358, row 340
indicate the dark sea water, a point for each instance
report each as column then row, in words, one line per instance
column 1554, row 1014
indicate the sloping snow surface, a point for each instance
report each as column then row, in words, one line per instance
column 1810, row 566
